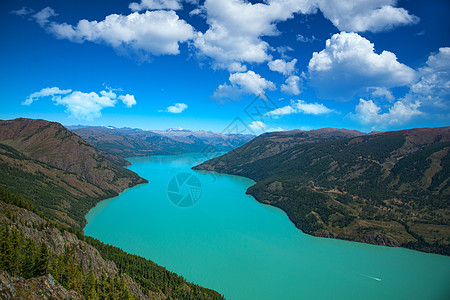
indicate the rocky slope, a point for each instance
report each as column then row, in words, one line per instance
column 390, row 188
column 57, row 170
column 128, row 142
column 59, row 243
column 40, row 259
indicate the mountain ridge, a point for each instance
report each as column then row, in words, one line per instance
column 59, row 172
column 128, row 142
column 389, row 188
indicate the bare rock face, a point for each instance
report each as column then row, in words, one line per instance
column 326, row 234
column 380, row 239
column 43, row 287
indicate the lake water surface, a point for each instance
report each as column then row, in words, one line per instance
column 229, row 242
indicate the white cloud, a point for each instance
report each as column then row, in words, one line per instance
column 45, row 92
column 235, row 28
column 349, row 64
column 244, row 83
column 381, row 92
column 257, row 125
column 299, row 106
column 368, row 113
column 128, row 100
column 83, row 106
column 177, row 108
column 42, row 17
column 282, row 66
column 149, row 33
column 433, row 87
column 365, row 15
column 291, row 86
column 304, row 39
column 24, row 11
column 155, row 4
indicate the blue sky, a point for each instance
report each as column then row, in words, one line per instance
column 259, row 65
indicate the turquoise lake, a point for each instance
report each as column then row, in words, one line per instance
column 229, row 242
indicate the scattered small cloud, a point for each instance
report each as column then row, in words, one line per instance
column 42, row 17
column 243, row 83
column 128, row 100
column 381, row 93
column 81, row 105
column 292, row 85
column 45, row 92
column 177, row 108
column 155, row 4
column 420, row 33
column 303, row 39
column 284, row 67
column 257, row 126
column 24, row 11
column 299, row 106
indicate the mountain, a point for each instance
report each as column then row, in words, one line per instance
column 389, row 188
column 41, row 259
column 128, row 142
column 57, row 170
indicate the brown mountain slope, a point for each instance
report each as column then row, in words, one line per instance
column 390, row 188
column 57, row 170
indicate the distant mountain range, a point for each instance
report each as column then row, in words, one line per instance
column 389, row 188
column 128, row 142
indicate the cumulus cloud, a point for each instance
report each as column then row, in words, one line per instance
column 235, row 27
column 433, row 86
column 155, row 4
column 80, row 105
column 368, row 113
column 349, row 64
column 291, row 86
column 177, row 108
column 299, row 106
column 365, row 15
column 284, row 67
column 150, row 33
column 244, row 83
column 128, row 100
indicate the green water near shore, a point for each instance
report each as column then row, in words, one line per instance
column 229, row 242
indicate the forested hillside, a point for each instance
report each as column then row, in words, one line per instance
column 40, row 259
column 57, row 171
column 390, row 188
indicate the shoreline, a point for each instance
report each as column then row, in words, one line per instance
column 325, row 233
